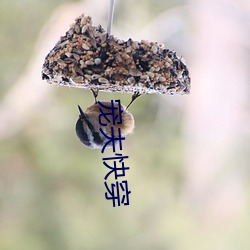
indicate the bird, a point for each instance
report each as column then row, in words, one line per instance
column 94, row 129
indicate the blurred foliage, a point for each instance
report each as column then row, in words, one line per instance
column 20, row 24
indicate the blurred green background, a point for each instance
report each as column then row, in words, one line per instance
column 188, row 157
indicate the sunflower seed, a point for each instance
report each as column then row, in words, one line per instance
column 95, row 76
column 85, row 46
column 77, row 79
column 88, row 62
column 131, row 80
column 134, row 72
column 78, row 70
column 77, row 29
column 68, row 54
column 103, row 80
column 154, row 49
column 61, row 62
column 145, row 42
column 69, row 60
column 150, row 74
column 144, row 78
column 77, row 57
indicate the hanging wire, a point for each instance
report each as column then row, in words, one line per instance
column 110, row 16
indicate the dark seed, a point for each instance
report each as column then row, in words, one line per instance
column 45, row 77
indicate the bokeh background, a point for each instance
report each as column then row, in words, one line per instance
column 189, row 157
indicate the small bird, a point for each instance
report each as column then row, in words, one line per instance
column 89, row 124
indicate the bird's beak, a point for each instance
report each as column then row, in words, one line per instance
column 82, row 115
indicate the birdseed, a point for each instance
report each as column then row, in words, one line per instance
column 88, row 57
